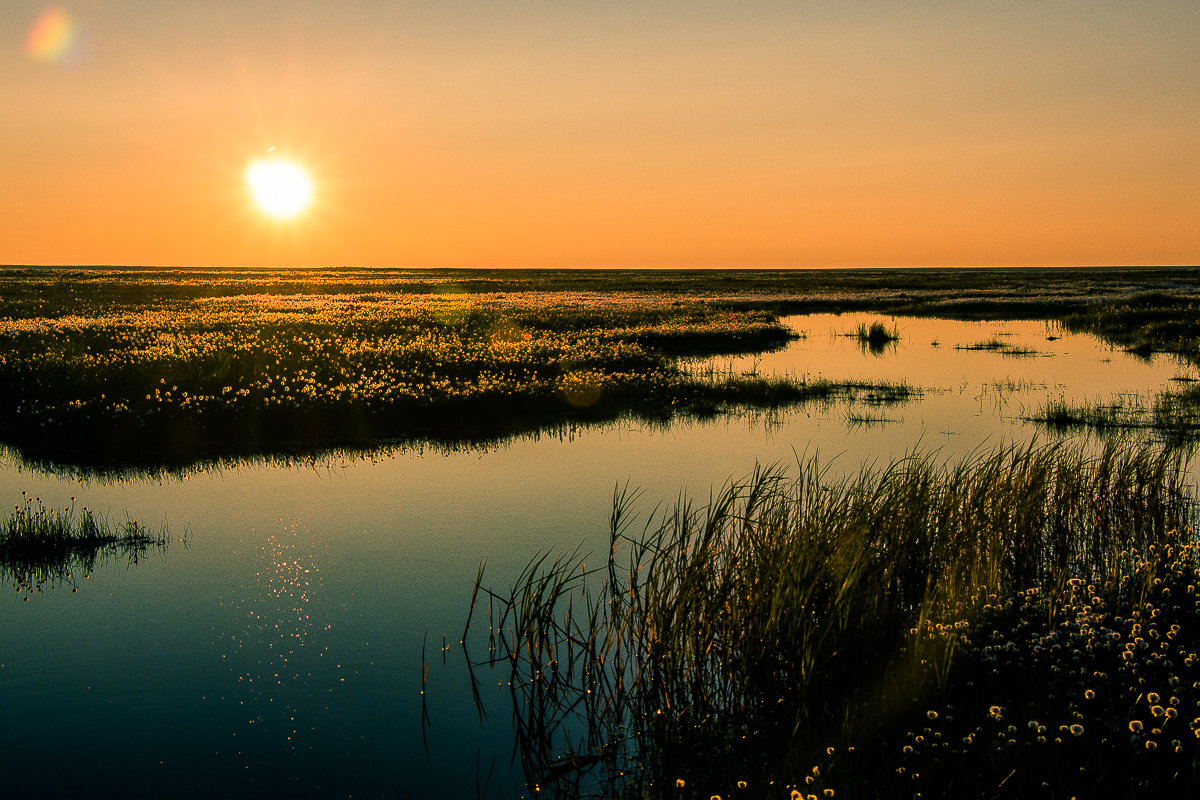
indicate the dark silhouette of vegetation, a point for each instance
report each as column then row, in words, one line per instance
column 876, row 337
column 987, row 629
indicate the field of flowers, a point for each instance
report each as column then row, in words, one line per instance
column 168, row 379
column 158, row 366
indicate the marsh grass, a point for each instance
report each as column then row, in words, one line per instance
column 146, row 367
column 1161, row 320
column 42, row 547
column 856, row 419
column 997, row 345
column 786, row 623
column 249, row 375
column 1174, row 415
column 1147, row 322
column 253, row 373
column 875, row 338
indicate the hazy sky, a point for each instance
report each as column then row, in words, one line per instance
column 614, row 133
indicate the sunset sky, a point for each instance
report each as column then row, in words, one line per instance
column 626, row 134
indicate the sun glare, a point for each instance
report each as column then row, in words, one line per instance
column 281, row 189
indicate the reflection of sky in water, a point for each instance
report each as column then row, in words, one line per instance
column 280, row 650
column 968, row 390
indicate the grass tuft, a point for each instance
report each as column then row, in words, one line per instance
column 42, row 547
column 876, row 337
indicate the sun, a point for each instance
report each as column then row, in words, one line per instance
column 281, row 188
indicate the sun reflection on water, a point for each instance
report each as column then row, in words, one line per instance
column 281, row 658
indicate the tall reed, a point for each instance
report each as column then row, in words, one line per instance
column 782, row 617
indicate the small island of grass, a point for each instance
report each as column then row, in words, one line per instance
column 42, row 546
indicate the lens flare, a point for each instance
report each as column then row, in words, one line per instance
column 52, row 36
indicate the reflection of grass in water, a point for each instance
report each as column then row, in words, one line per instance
column 1174, row 414
column 748, row 389
column 857, row 625
column 1013, row 385
column 1146, row 322
column 994, row 343
column 997, row 345
column 41, row 546
column 700, row 393
column 856, row 420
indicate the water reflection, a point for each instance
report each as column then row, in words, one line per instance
column 977, row 378
column 297, row 457
column 281, row 660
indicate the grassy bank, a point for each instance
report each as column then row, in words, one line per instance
column 149, row 378
column 42, row 547
column 969, row 630
column 1146, row 322
column 254, row 374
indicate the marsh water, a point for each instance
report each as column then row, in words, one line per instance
column 276, row 650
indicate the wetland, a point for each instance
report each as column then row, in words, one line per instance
column 818, row 530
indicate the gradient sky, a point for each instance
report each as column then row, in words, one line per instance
column 632, row 134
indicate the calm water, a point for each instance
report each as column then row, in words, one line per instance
column 277, row 652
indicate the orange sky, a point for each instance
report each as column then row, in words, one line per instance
column 640, row 134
